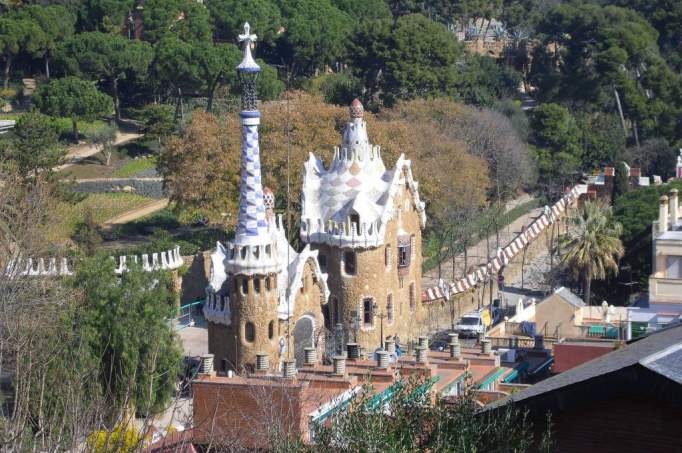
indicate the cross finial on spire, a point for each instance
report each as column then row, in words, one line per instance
column 248, row 64
column 247, row 36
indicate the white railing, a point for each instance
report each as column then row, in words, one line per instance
column 505, row 255
column 54, row 267
column 167, row 260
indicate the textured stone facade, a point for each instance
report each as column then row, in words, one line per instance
column 378, row 277
column 256, row 327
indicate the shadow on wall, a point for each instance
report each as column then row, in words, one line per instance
column 195, row 280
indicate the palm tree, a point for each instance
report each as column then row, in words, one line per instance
column 592, row 244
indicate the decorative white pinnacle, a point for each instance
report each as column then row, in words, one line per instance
column 248, row 63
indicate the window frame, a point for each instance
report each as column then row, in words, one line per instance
column 368, row 312
column 345, row 266
column 249, row 327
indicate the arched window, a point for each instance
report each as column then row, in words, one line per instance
column 250, row 332
column 245, row 286
column 271, row 330
column 256, row 285
column 389, row 308
column 268, row 286
column 349, row 263
column 413, row 297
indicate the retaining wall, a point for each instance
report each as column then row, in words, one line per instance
column 148, row 187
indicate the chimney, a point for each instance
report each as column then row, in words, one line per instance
column 310, row 356
column 539, row 342
column 339, row 365
column 353, row 351
column 674, row 208
column 663, row 215
column 262, row 362
column 390, row 346
column 421, row 354
column 486, row 346
column 289, row 369
column 206, row 366
column 455, row 350
column 382, row 359
column 424, row 342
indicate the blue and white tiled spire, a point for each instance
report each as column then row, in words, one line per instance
column 252, row 226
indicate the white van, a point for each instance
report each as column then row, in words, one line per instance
column 470, row 325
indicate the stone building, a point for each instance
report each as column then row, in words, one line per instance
column 360, row 267
column 263, row 298
column 365, row 222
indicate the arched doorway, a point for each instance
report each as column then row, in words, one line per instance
column 303, row 337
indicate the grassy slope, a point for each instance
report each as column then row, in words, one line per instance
column 104, row 206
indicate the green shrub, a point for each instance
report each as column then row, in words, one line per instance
column 8, row 94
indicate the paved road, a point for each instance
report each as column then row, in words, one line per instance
column 79, row 152
column 136, row 213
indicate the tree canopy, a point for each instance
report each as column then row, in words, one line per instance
column 33, row 145
column 187, row 19
column 73, row 98
column 105, row 58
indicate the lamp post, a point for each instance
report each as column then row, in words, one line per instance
column 381, row 316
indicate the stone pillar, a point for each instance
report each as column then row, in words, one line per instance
column 663, row 214
column 206, row 366
column 310, row 356
column 353, row 351
column 262, row 362
column 486, row 346
column 455, row 350
column 674, row 208
column 390, row 346
column 339, row 365
column 382, row 359
column 421, row 354
column 424, row 342
column 289, row 369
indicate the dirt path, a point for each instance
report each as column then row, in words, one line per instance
column 135, row 214
column 82, row 151
column 477, row 254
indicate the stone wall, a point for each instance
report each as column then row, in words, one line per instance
column 148, row 187
column 439, row 313
column 379, row 282
column 230, row 344
column 195, row 279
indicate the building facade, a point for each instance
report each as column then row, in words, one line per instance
column 365, row 222
column 358, row 278
column 665, row 283
column 263, row 298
